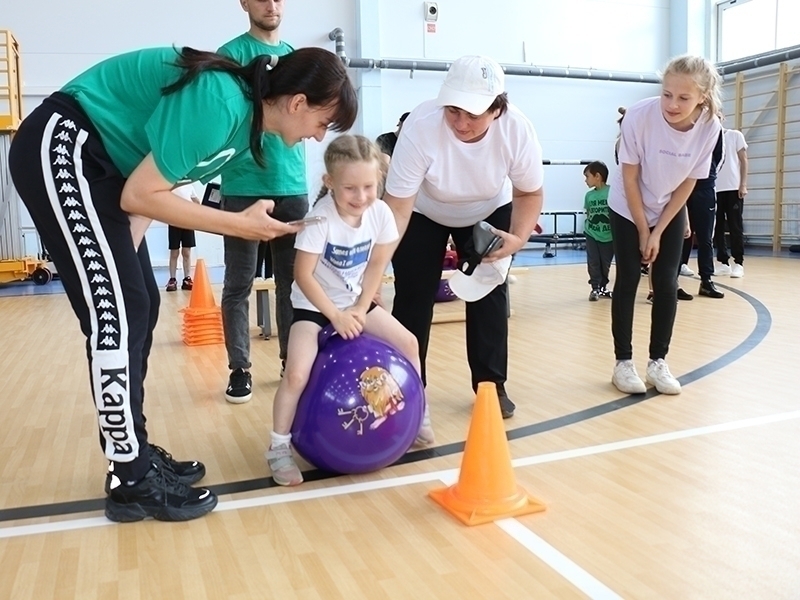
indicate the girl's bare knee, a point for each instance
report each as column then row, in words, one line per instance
column 411, row 345
column 295, row 381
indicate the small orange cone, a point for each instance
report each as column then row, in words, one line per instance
column 487, row 489
column 202, row 319
column 202, row 296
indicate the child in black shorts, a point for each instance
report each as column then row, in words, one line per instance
column 181, row 241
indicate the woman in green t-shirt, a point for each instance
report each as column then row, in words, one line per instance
column 97, row 161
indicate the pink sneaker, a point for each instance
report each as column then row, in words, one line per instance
column 284, row 470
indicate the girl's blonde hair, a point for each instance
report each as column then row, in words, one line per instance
column 350, row 149
column 705, row 77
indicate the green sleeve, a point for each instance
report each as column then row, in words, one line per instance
column 182, row 136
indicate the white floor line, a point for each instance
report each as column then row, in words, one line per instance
column 557, row 561
column 444, row 475
column 350, row 488
column 58, row 526
column 656, row 439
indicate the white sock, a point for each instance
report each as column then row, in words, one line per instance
column 277, row 439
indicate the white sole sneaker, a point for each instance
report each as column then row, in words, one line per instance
column 659, row 377
column 626, row 379
column 722, row 270
column 283, row 467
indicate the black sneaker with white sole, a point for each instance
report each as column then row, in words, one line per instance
column 159, row 495
column 240, row 387
column 188, row 471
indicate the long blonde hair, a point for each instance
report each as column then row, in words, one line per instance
column 350, row 149
column 705, row 77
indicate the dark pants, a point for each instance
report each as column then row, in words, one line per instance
column 72, row 190
column 598, row 261
column 417, row 265
column 702, row 208
column 628, row 274
column 240, row 269
column 729, row 210
column 264, row 260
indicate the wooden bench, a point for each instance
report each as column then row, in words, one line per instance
column 262, row 288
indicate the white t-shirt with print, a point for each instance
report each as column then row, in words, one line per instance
column 730, row 175
column 666, row 156
column 344, row 250
column 457, row 183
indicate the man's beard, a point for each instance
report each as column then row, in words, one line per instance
column 268, row 26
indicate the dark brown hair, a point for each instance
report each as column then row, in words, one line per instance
column 597, row 167
column 500, row 103
column 317, row 73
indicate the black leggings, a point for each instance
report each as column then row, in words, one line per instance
column 417, row 265
column 729, row 210
column 701, row 206
column 665, row 285
column 72, row 190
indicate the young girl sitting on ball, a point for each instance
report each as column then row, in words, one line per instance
column 338, row 270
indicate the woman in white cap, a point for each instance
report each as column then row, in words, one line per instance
column 467, row 156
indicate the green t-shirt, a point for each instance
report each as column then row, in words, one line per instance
column 192, row 133
column 597, row 224
column 284, row 170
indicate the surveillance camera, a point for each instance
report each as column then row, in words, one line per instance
column 431, row 11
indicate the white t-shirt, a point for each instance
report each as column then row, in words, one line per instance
column 666, row 156
column 185, row 191
column 344, row 250
column 457, row 183
column 729, row 176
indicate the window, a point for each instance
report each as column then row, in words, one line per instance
column 747, row 27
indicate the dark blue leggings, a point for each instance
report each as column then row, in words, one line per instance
column 665, row 286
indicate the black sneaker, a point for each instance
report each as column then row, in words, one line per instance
column 159, row 495
column 507, row 407
column 594, row 295
column 240, row 387
column 187, row 283
column 684, row 295
column 604, row 293
column 708, row 289
column 188, row 472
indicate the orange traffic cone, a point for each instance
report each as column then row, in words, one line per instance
column 202, row 296
column 202, row 319
column 487, row 489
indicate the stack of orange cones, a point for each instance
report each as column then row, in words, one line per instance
column 487, row 489
column 202, row 319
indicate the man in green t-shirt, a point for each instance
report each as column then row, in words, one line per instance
column 283, row 180
column 597, row 227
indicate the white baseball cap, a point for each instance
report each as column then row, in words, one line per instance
column 472, row 84
column 483, row 280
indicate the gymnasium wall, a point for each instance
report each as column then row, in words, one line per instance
column 574, row 118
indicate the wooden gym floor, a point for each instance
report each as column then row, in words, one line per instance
column 692, row 496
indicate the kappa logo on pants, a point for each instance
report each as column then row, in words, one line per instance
column 79, row 224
